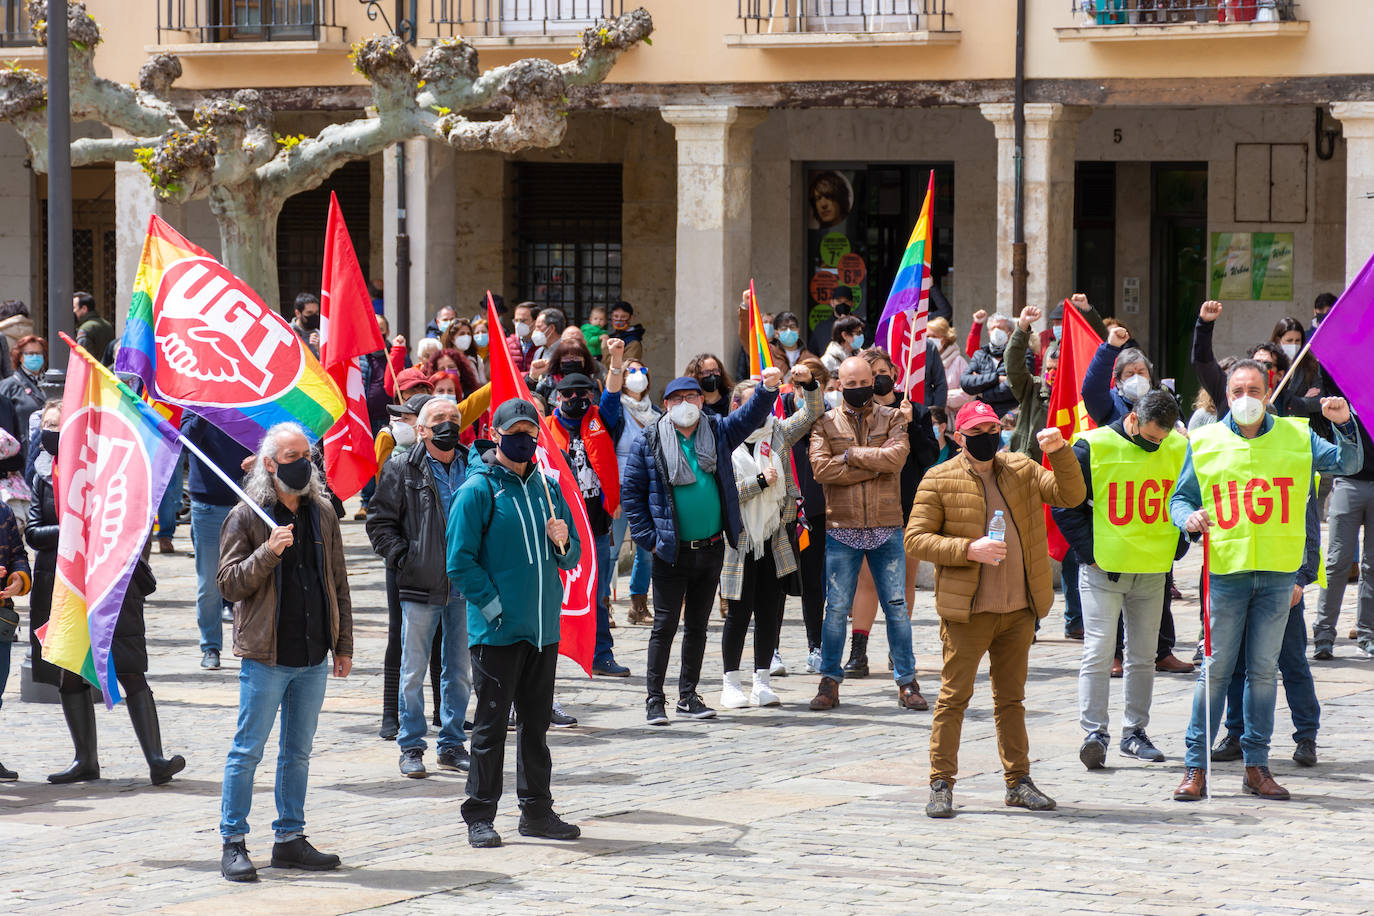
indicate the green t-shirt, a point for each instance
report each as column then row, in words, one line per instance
column 593, row 333
column 698, row 503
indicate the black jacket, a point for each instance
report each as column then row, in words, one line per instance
column 924, row 454
column 983, row 378
column 407, row 525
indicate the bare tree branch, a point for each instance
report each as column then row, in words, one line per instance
column 93, row 150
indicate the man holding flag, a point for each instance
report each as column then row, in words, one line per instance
column 1243, row 486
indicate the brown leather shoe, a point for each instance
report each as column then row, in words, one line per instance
column 165, row 545
column 909, row 697
column 827, row 695
column 1194, row 785
column 1259, row 781
column 1116, row 667
column 1171, row 664
column 639, row 610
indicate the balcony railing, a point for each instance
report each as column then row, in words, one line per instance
column 1178, row 12
column 844, row 15
column 209, row 21
column 520, row 17
column 14, row 30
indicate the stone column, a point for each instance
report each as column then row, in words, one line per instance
column 1047, row 175
column 1357, row 126
column 431, row 222
column 713, row 235
column 20, row 239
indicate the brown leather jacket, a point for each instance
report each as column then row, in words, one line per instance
column 950, row 513
column 249, row 577
column 857, row 459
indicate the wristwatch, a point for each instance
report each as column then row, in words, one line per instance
column 763, row 481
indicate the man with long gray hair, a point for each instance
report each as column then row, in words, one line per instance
column 292, row 609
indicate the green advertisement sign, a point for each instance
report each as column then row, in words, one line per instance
column 1252, row 265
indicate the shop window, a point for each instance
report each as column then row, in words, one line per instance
column 568, row 235
column 858, row 220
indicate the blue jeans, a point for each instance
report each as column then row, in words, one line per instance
column 1073, row 604
column 1297, row 682
column 418, row 623
column 369, row 489
column 605, row 569
column 171, row 502
column 263, row 689
column 206, row 521
column 888, row 566
column 643, row 566
column 1250, row 614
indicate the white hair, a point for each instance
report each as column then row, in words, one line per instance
column 425, row 347
column 261, row 485
column 426, row 412
column 998, row 318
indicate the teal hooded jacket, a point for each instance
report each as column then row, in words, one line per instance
column 500, row 558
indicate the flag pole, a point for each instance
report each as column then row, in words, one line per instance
column 1207, row 661
column 910, row 348
column 228, row 481
column 1292, row 367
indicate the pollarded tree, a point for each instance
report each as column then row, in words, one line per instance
column 230, row 154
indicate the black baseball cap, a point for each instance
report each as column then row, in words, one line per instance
column 411, row 406
column 575, row 381
column 512, row 411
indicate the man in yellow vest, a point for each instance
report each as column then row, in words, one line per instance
column 1245, row 482
column 1126, row 543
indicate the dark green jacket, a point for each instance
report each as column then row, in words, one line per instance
column 1032, row 396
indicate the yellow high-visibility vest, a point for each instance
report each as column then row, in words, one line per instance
column 1132, row 531
column 1255, row 491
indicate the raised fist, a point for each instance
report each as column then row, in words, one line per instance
column 1118, row 336
column 1210, row 310
column 1029, row 316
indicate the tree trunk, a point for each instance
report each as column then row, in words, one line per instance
column 248, row 238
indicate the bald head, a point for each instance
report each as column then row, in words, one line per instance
column 855, row 372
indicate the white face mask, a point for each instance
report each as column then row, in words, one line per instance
column 462, row 342
column 403, row 433
column 451, row 398
column 522, row 330
column 684, row 414
column 1290, row 350
column 998, row 338
column 1247, row 411
column 832, row 399
column 638, row 382
column 1135, row 388
column 538, row 338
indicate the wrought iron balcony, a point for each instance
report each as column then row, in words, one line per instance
column 844, row 15
column 520, row 17
column 209, row 21
column 1180, row 12
column 14, row 30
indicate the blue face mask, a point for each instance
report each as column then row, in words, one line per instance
column 444, row 323
column 33, row 362
column 481, row 339
column 1058, row 331
column 788, row 337
column 767, row 331
column 858, row 343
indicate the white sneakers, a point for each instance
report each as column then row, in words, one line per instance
column 777, row 668
column 813, row 661
column 732, row 695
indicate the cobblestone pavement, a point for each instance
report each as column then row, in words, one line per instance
column 778, row 810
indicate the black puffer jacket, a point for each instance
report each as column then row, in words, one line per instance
column 407, row 525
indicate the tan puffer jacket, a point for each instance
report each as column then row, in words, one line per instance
column 950, row 513
column 857, row 459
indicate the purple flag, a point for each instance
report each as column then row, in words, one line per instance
column 1344, row 341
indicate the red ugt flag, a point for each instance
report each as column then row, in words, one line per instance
column 348, row 330
column 577, row 629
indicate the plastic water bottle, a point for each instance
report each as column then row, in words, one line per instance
column 997, row 528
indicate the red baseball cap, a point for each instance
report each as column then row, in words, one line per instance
column 974, row 413
column 407, row 379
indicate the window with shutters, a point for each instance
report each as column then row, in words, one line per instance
column 300, row 230
column 568, row 235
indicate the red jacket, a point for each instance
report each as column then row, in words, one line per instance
column 517, row 353
column 600, row 452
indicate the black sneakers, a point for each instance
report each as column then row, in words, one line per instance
column 413, row 763
column 482, row 835
column 1227, row 749
column 1306, row 753
column 551, row 827
column 691, row 707
column 451, row 758
column 941, row 802
column 298, row 853
column 654, row 713
column 234, row 863
column 1093, row 753
column 560, row 719
column 1137, row 744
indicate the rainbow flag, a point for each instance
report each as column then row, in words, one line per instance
column 201, row 339
column 116, row 458
column 759, row 356
column 902, row 327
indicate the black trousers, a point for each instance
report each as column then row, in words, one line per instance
column 762, row 595
column 1165, row 646
column 521, row 674
column 391, row 660
column 691, row 583
column 811, row 563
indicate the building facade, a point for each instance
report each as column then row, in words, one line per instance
column 1175, row 150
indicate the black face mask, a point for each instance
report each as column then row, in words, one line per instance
column 49, row 439
column 571, row 366
column 883, row 385
column 575, row 408
column 1145, row 443
column 518, row 447
column 858, row 397
column 445, row 435
column 983, row 447
column 294, row 475
column 311, row 322
column 710, row 382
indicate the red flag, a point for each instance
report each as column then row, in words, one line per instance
column 348, row 330
column 577, row 631
column 1066, row 409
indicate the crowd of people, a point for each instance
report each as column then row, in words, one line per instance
column 819, row 478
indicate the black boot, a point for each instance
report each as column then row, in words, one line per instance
column 857, row 666
column 391, row 688
column 79, row 712
column 143, row 714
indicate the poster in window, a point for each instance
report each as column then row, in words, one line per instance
column 830, row 203
column 1252, row 266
